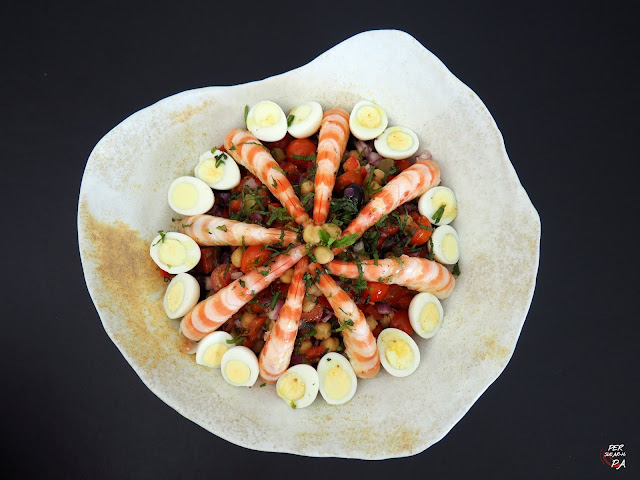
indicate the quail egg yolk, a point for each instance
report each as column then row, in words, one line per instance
column 337, row 383
column 266, row 115
column 175, row 294
column 399, row 354
column 237, row 371
column 429, row 317
column 184, row 195
column 301, row 113
column 172, row 252
column 291, row 387
column 450, row 246
column 213, row 356
column 369, row 116
column 399, row 140
column 442, row 197
column 208, row 172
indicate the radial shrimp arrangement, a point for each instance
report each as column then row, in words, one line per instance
column 308, row 250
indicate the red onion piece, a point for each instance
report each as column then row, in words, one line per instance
column 358, row 247
column 374, row 158
column 255, row 217
column 251, row 183
column 273, row 315
column 207, row 283
column 363, row 148
column 424, row 156
column 383, row 308
column 296, row 359
column 236, row 275
column 327, row 316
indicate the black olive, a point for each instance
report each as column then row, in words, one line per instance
column 355, row 192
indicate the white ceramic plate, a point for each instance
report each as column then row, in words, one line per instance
column 123, row 203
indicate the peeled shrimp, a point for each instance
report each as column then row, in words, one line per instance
column 359, row 342
column 276, row 353
column 212, row 312
column 332, row 141
column 414, row 273
column 255, row 157
column 208, row 230
column 409, row 184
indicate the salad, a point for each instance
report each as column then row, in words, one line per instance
column 326, row 246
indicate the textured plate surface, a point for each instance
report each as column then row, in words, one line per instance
column 123, row 203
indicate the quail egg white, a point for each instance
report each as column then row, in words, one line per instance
column 367, row 120
column 240, row 367
column 218, row 170
column 425, row 314
column 298, row 386
column 212, row 348
column 267, row 121
column 433, row 200
column 182, row 295
column 396, row 143
column 446, row 245
column 175, row 252
column 190, row 196
column 306, row 120
column 399, row 353
column 338, row 381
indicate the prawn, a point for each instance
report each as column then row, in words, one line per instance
column 409, row 184
column 212, row 312
column 276, row 353
column 208, row 230
column 414, row 273
column 255, row 157
column 332, row 142
column 359, row 342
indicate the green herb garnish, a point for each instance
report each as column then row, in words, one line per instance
column 242, row 283
column 306, row 158
column 290, row 119
column 222, row 227
column 220, row 159
column 263, row 385
column 346, row 324
column 186, row 226
column 456, row 270
column 246, row 113
column 328, row 241
column 254, row 143
column 431, row 253
column 237, row 340
column 438, row 215
column 274, row 300
column 162, row 235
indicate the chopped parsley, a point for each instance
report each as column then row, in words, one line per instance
column 246, row 113
column 163, row 234
column 186, row 226
column 456, row 270
column 343, row 210
column 306, row 158
column 274, row 300
column 431, row 253
column 329, row 242
column 222, row 227
column 275, row 183
column 235, row 341
column 241, row 282
column 438, row 215
column 220, row 159
column 213, row 150
column 263, row 385
column 346, row 324
column 290, row 119
column 253, row 143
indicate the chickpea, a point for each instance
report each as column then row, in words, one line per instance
column 258, row 346
column 236, row 257
column 330, row 344
column 385, row 164
column 310, row 234
column 386, row 320
column 314, row 290
column 309, row 303
column 278, row 154
column 323, row 330
column 307, row 187
column 287, row 276
column 247, row 318
column 304, row 346
column 332, row 229
column 375, row 185
column 249, row 201
column 354, row 153
column 270, row 325
column 378, row 175
column 372, row 322
column 323, row 255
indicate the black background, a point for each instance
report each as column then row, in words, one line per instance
column 561, row 82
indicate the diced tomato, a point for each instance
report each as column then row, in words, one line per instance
column 388, row 227
column 346, row 179
column 324, row 301
column 253, row 257
column 391, row 177
column 315, row 352
column 399, row 297
column 400, row 320
column 221, row 276
column 263, row 299
column 315, row 315
column 283, row 143
column 254, row 331
column 376, row 291
column 208, row 257
column 222, row 149
column 381, row 239
column 301, row 147
column 235, row 205
column 351, row 164
column 165, row 274
column 421, row 235
column 402, row 165
column 371, row 310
